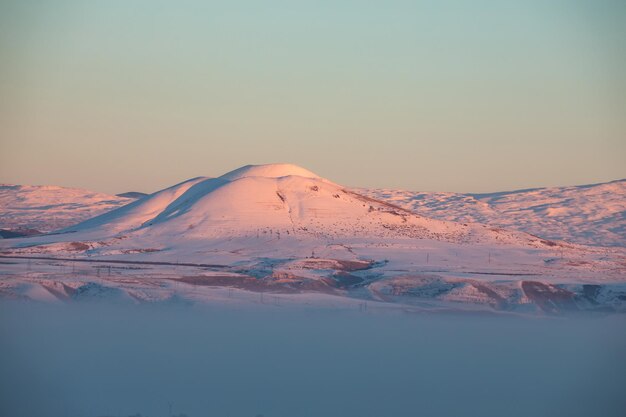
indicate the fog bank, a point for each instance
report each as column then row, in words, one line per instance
column 110, row 360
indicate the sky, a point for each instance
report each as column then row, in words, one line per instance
column 465, row 96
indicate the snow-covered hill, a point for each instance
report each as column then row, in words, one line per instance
column 282, row 229
column 46, row 208
column 588, row 214
column 280, row 199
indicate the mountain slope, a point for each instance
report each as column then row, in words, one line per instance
column 589, row 214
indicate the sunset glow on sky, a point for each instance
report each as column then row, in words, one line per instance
column 451, row 96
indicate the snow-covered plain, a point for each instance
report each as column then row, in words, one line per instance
column 280, row 235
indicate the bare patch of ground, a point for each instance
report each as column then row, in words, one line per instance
column 77, row 246
column 549, row 298
column 276, row 283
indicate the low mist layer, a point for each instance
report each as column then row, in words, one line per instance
column 111, row 360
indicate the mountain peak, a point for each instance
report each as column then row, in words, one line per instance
column 268, row 171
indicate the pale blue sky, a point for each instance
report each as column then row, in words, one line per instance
column 447, row 95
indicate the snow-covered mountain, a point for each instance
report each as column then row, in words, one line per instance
column 46, row 207
column 281, row 199
column 280, row 228
column 587, row 214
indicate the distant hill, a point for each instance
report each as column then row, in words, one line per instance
column 132, row 194
column 588, row 214
column 46, row 208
